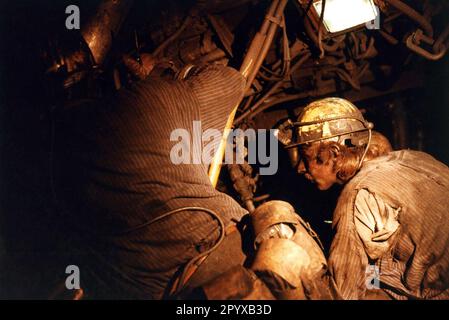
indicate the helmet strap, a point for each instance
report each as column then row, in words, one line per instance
column 366, row 150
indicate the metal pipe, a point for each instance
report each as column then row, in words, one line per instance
column 390, row 39
column 267, row 42
column 261, row 198
column 413, row 14
column 253, row 110
column 285, row 99
column 249, row 65
column 103, row 26
column 249, row 204
column 285, row 59
column 257, row 42
column 248, row 103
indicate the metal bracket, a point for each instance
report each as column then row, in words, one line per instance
column 275, row 20
column 413, row 42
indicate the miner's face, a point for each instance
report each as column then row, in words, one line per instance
column 317, row 167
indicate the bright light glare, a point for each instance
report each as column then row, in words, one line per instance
column 340, row 15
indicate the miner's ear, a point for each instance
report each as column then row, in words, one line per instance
column 335, row 151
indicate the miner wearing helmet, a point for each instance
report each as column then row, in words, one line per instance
column 391, row 219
